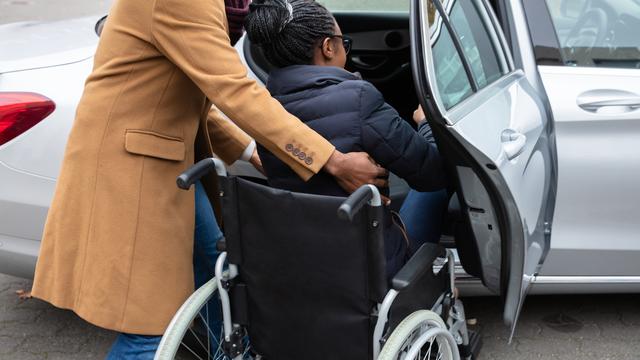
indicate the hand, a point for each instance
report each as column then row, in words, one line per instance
column 256, row 162
column 353, row 170
column 418, row 116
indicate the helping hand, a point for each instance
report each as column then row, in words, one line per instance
column 352, row 170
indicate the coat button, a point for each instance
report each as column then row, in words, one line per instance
column 302, row 156
column 308, row 161
column 296, row 151
column 289, row 147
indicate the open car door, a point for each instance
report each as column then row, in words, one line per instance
column 495, row 133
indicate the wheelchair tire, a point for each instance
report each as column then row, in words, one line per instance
column 421, row 329
column 182, row 331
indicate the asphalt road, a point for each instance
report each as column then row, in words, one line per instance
column 566, row 327
column 605, row 327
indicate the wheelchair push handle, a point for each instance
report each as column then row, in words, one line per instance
column 354, row 203
column 200, row 169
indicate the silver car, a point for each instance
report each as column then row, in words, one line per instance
column 535, row 105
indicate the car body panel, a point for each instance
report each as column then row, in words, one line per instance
column 24, row 203
column 52, row 59
column 598, row 205
column 595, row 230
column 33, row 45
column 39, row 151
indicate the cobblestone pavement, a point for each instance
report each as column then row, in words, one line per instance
column 551, row 327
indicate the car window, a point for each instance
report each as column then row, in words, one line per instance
column 451, row 78
column 476, row 42
column 601, row 33
column 367, row 5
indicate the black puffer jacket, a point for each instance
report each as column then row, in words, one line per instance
column 353, row 116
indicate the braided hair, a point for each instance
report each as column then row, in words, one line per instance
column 288, row 30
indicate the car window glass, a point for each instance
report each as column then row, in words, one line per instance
column 451, row 78
column 476, row 42
column 601, row 33
column 367, row 5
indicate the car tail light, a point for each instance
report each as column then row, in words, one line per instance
column 20, row 111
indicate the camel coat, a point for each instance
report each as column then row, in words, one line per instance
column 118, row 242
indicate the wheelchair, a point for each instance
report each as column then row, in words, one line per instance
column 298, row 281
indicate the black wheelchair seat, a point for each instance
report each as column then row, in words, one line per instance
column 309, row 282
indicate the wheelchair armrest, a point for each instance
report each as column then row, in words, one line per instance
column 420, row 262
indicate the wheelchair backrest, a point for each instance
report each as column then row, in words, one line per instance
column 310, row 280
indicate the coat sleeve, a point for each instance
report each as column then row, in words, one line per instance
column 227, row 140
column 395, row 145
column 193, row 35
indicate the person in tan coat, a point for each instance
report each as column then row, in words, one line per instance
column 118, row 243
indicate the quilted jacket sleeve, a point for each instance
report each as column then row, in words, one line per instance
column 395, row 145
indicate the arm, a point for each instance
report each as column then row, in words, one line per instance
column 394, row 144
column 193, row 36
column 227, row 140
column 423, row 126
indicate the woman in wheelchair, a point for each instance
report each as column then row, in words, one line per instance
column 310, row 53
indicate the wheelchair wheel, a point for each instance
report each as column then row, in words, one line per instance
column 421, row 335
column 188, row 335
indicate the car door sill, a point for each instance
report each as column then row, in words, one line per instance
column 604, row 280
column 557, row 285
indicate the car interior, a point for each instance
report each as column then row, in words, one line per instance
column 598, row 33
column 381, row 53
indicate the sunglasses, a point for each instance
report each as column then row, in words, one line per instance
column 347, row 42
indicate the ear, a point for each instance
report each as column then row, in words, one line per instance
column 328, row 50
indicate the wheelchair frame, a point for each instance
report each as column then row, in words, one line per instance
column 450, row 309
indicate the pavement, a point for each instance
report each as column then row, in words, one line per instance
column 603, row 327
column 34, row 330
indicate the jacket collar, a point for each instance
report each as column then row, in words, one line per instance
column 296, row 78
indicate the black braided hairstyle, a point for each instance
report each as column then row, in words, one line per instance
column 287, row 40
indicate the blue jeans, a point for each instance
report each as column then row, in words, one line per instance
column 205, row 254
column 207, row 234
column 423, row 214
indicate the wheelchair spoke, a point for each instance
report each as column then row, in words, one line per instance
column 198, row 340
column 191, row 351
column 209, row 331
column 208, row 337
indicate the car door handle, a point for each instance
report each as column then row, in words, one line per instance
column 372, row 62
column 513, row 143
column 610, row 101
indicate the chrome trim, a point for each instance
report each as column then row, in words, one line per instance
column 609, row 280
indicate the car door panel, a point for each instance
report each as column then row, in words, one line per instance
column 593, row 96
column 598, row 198
column 496, row 141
